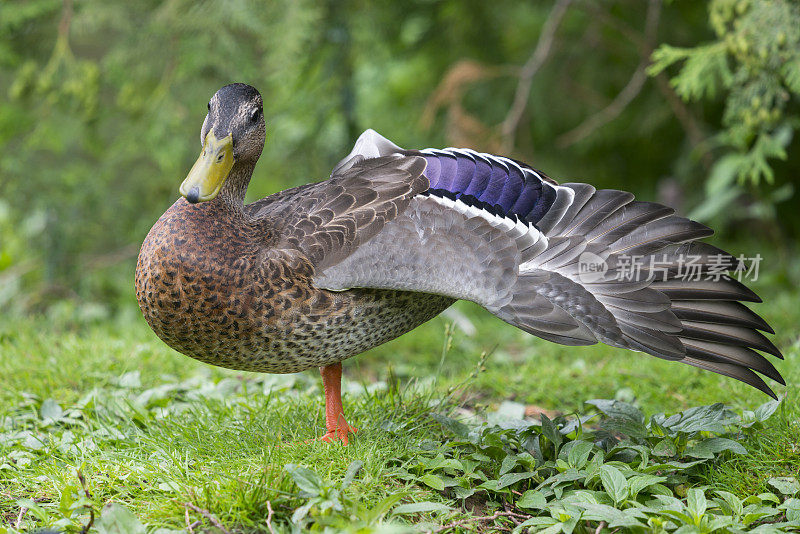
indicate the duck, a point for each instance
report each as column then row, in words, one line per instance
column 313, row 275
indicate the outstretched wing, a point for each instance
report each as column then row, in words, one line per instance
column 496, row 232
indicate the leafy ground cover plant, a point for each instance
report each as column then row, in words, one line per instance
column 132, row 458
column 615, row 469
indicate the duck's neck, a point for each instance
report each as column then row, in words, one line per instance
column 235, row 187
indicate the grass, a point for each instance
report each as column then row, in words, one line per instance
column 97, row 412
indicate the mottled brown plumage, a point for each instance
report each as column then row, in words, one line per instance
column 233, row 287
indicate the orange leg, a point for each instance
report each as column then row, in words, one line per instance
column 337, row 426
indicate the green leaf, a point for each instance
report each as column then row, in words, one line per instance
column 539, row 522
column 456, row 427
column 639, row 482
column 532, row 499
column 301, row 512
column 786, row 485
column 614, row 483
column 660, row 489
column 720, row 522
column 733, row 502
column 792, row 507
column 433, row 481
column 550, row 431
column 680, row 516
column 713, row 418
column 624, row 426
column 116, row 519
column 51, row 410
column 555, row 529
column 598, row 458
column 569, row 475
column 665, row 447
column 491, row 485
column 704, row 72
column 579, row 453
column 723, row 174
column 351, row 473
column 451, row 463
column 569, row 518
column 760, row 513
column 696, row 502
column 618, row 409
column 420, row 507
column 769, row 497
column 383, row 507
column 509, row 463
column 34, row 508
column 615, row 518
column 665, row 56
column 755, row 164
column 708, row 448
column 716, row 204
column 671, row 466
column 463, row 493
column 512, row 478
column 306, row 479
column 763, row 412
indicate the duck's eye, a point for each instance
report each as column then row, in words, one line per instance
column 209, row 105
column 255, row 114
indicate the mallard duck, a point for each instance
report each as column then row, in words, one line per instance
column 313, row 275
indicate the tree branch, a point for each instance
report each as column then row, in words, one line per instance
column 508, row 128
column 689, row 123
column 66, row 19
column 205, row 513
column 628, row 93
column 88, row 526
column 687, row 120
column 496, row 515
column 269, row 518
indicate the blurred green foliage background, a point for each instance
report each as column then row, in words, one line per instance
column 691, row 103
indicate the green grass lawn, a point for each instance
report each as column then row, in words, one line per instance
column 100, row 422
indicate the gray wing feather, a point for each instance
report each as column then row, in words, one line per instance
column 582, row 193
column 602, row 204
column 565, row 198
column 720, row 312
column 739, row 372
column 434, row 249
column 329, row 220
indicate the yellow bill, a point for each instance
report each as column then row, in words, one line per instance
column 209, row 172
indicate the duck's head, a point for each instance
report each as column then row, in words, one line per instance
column 233, row 136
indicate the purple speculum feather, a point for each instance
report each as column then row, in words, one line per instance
column 492, row 183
